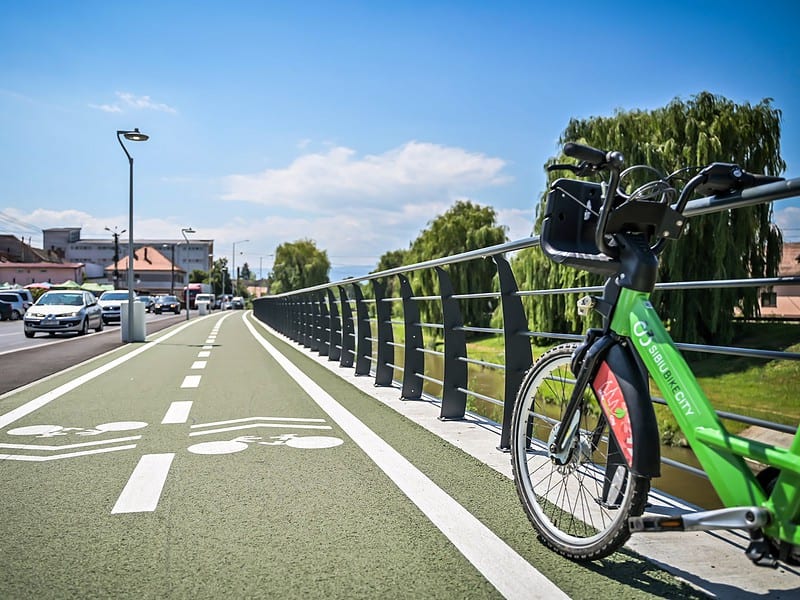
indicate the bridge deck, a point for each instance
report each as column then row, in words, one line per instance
column 216, row 460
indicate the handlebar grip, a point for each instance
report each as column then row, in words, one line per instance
column 587, row 153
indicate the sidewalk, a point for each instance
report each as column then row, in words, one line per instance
column 713, row 562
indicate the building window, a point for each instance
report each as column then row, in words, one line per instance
column 769, row 300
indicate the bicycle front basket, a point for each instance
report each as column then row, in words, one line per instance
column 569, row 225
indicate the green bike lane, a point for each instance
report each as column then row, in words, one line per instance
column 196, row 466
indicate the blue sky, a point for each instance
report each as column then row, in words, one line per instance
column 350, row 123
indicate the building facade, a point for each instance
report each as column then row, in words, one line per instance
column 99, row 253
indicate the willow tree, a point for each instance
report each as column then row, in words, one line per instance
column 729, row 245
column 464, row 227
column 299, row 265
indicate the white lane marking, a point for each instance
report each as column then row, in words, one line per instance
column 254, row 425
column 22, row 457
column 246, row 419
column 199, row 364
column 37, row 403
column 178, row 412
column 208, row 347
column 143, row 490
column 203, row 354
column 506, row 570
column 191, row 381
column 50, row 448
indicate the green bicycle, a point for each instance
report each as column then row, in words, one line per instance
column 584, row 437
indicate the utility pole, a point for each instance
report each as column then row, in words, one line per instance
column 116, row 235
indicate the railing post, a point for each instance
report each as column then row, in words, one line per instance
column 335, row 350
column 324, row 320
column 313, row 322
column 385, row 357
column 517, row 348
column 454, row 401
column 305, row 325
column 348, row 334
column 363, row 333
column 414, row 363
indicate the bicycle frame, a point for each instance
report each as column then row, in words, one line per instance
column 720, row 453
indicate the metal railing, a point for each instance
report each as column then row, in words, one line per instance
column 337, row 321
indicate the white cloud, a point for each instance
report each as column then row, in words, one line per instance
column 416, row 172
column 788, row 219
column 109, row 108
column 133, row 102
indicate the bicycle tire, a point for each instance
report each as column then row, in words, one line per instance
column 565, row 503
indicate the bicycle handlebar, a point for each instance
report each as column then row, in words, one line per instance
column 716, row 179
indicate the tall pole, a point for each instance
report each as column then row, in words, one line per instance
column 116, row 235
column 134, row 136
column 233, row 268
column 184, row 231
column 172, row 278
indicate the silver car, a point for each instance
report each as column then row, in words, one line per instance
column 63, row 311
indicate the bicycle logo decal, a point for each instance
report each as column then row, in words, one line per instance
column 143, row 497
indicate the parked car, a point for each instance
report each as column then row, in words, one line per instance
column 5, row 310
column 19, row 304
column 64, row 311
column 237, row 302
column 111, row 302
column 167, row 304
column 147, row 300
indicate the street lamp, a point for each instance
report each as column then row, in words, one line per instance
column 233, row 267
column 116, row 235
column 184, row 231
column 132, row 136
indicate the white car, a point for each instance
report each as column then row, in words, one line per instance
column 111, row 302
column 63, row 311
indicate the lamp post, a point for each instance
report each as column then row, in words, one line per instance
column 233, row 267
column 184, row 231
column 116, row 235
column 133, row 136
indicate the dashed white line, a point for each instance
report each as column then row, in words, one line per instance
column 203, row 354
column 178, row 412
column 143, row 490
column 191, row 381
column 199, row 364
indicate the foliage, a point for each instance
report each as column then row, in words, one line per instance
column 391, row 260
column 198, row 276
column 299, row 265
column 734, row 244
column 245, row 272
column 465, row 226
column 217, row 276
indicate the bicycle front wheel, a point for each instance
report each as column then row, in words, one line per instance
column 578, row 500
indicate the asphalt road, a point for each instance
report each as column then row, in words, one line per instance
column 25, row 360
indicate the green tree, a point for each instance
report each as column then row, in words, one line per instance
column 734, row 244
column 390, row 260
column 465, row 226
column 217, row 276
column 198, row 276
column 299, row 265
column 245, row 273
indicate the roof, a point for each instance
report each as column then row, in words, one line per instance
column 790, row 260
column 146, row 259
column 41, row 265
